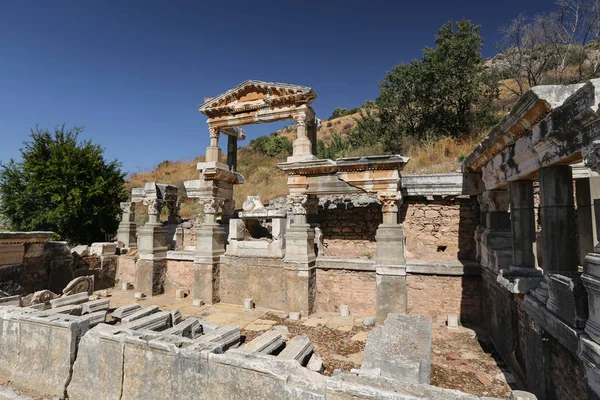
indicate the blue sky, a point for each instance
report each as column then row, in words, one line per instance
column 133, row 72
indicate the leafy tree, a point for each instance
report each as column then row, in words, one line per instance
column 62, row 185
column 272, row 146
column 448, row 92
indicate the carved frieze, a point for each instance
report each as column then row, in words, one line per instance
column 298, row 202
column 591, row 156
column 212, row 205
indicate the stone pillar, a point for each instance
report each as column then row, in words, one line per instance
column 232, row 152
column 302, row 148
column 558, row 219
column 391, row 260
column 586, row 191
column 152, row 250
column 127, row 227
column 299, row 260
column 522, row 219
column 213, row 152
column 210, row 245
column 173, row 220
column 496, row 240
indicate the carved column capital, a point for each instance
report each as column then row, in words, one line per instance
column 495, row 200
column 591, row 156
column 212, row 205
column 214, row 132
column 300, row 119
column 298, row 202
column 154, row 206
column 389, row 201
column 127, row 207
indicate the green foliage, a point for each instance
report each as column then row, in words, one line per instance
column 342, row 112
column 333, row 149
column 64, row 186
column 271, row 146
column 446, row 93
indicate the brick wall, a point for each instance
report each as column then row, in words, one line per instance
column 438, row 296
column 436, row 230
column 357, row 289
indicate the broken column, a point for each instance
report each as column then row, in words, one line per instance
column 213, row 152
column 522, row 219
column 127, row 227
column 210, row 246
column 152, row 245
column 299, row 261
column 558, row 219
column 391, row 260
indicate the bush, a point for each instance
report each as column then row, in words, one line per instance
column 64, row 186
column 272, row 146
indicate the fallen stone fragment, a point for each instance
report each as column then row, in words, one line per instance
column 69, row 300
column 124, row 311
column 294, row 316
column 266, row 343
column 95, row 318
column 229, row 335
column 154, row 322
column 11, row 301
column 299, row 348
column 344, row 311
column 140, row 314
column 139, row 295
column 189, row 328
column 94, row 306
column 369, row 321
column 315, row 363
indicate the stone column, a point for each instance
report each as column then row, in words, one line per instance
column 391, row 260
column 232, row 152
column 213, row 152
column 210, row 245
column 587, row 190
column 522, row 219
column 558, row 219
column 127, row 226
column 299, row 260
column 173, row 220
column 302, row 148
column 496, row 240
column 152, row 245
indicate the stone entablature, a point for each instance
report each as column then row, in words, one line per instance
column 548, row 126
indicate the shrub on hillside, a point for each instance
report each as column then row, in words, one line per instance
column 272, row 146
column 62, row 185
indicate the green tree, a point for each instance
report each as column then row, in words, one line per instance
column 62, row 185
column 448, row 92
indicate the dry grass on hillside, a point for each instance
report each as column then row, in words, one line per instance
column 440, row 156
column 341, row 126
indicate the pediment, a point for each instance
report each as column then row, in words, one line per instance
column 252, row 95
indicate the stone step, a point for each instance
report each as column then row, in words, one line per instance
column 299, row 348
column 189, row 328
column 315, row 363
column 70, row 300
column 95, row 305
column 266, row 343
column 125, row 311
column 144, row 312
column 229, row 335
column 155, row 322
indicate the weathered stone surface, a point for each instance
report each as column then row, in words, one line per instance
column 315, row 363
column 189, row 328
column 266, row 343
column 299, row 348
column 144, row 312
column 157, row 321
column 568, row 298
column 70, row 300
column 400, row 349
column 124, row 311
column 103, row 249
column 95, row 306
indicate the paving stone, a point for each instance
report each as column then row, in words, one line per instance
column 336, row 322
column 257, row 327
column 221, row 317
column 360, row 337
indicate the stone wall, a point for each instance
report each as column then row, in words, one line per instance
column 179, row 275
column 438, row 296
column 436, row 230
column 29, row 261
column 126, row 269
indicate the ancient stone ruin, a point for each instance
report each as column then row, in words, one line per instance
column 511, row 241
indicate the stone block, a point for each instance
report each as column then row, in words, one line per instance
column 392, row 295
column 315, row 363
column 266, row 343
column 299, row 348
column 157, row 321
column 11, row 253
column 189, row 328
column 124, row 311
column 81, row 251
column 95, row 306
column 103, row 249
column 452, row 321
column 141, row 313
column 344, row 311
column 70, row 300
column 248, row 304
column 11, row 301
column 400, row 349
column 294, row 316
column 567, row 298
column 181, row 294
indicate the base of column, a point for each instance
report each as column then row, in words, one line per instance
column 210, row 243
column 390, row 245
column 126, row 234
column 300, row 244
column 392, row 292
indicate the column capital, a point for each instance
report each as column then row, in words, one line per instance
column 127, row 207
column 495, row 201
column 591, row 156
column 154, row 206
column 212, row 205
column 298, row 202
column 300, row 119
column 389, row 201
column 214, row 132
